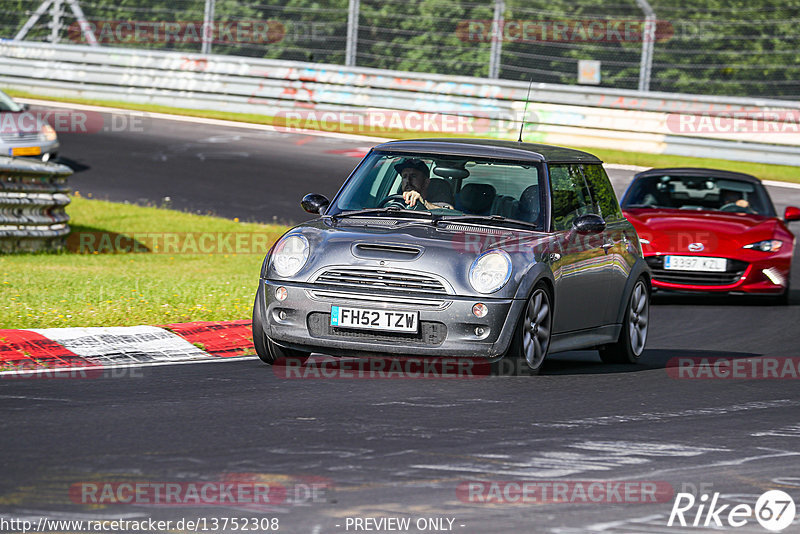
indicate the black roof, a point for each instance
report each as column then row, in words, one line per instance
column 699, row 172
column 490, row 148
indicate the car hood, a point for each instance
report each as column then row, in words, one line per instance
column 670, row 230
column 445, row 251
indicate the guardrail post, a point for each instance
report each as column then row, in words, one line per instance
column 648, row 42
column 496, row 50
column 208, row 27
column 352, row 33
column 56, row 10
column 33, row 196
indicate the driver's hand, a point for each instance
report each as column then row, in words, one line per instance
column 742, row 203
column 411, row 198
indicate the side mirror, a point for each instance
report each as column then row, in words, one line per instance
column 315, row 203
column 25, row 107
column 791, row 214
column 589, row 224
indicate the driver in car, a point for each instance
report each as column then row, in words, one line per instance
column 416, row 177
column 733, row 199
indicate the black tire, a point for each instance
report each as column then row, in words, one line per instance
column 531, row 341
column 266, row 349
column 633, row 336
column 784, row 298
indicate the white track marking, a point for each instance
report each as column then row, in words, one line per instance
column 773, row 183
column 26, row 397
column 654, row 417
column 790, row 431
column 646, row 448
column 598, row 456
column 622, row 167
column 124, row 344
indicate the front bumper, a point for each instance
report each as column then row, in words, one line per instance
column 761, row 277
column 448, row 327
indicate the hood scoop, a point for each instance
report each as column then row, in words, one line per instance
column 386, row 251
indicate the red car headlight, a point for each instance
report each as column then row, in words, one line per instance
column 769, row 245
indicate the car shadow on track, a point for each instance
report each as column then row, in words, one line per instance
column 588, row 362
column 686, row 299
column 76, row 166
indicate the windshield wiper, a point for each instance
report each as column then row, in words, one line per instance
column 392, row 211
column 489, row 219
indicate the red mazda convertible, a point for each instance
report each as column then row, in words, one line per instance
column 711, row 231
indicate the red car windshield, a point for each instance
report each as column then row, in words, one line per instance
column 699, row 193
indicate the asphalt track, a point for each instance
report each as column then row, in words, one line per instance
column 394, row 448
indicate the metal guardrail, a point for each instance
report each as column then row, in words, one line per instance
column 33, row 196
column 567, row 115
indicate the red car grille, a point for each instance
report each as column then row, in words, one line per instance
column 734, row 272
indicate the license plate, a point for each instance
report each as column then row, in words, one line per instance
column 26, row 151
column 386, row 320
column 695, row 263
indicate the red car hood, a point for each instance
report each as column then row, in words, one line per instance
column 672, row 231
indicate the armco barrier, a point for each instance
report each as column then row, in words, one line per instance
column 557, row 114
column 33, row 196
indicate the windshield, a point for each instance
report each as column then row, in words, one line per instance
column 6, row 104
column 445, row 186
column 699, row 193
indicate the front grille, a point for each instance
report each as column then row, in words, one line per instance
column 735, row 270
column 381, row 280
column 15, row 138
column 430, row 333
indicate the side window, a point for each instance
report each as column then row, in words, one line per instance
column 571, row 197
column 603, row 196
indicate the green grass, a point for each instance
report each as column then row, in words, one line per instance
column 761, row 170
column 106, row 288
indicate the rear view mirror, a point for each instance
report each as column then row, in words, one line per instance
column 451, row 172
column 791, row 214
column 589, row 224
column 315, row 203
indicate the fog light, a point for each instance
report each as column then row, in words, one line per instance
column 282, row 315
column 479, row 331
column 281, row 293
column 480, row 310
column 775, row 276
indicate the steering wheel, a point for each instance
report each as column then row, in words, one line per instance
column 396, row 200
column 734, row 207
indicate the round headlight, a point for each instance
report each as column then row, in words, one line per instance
column 490, row 271
column 290, row 255
column 48, row 133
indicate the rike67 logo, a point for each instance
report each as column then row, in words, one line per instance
column 774, row 510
